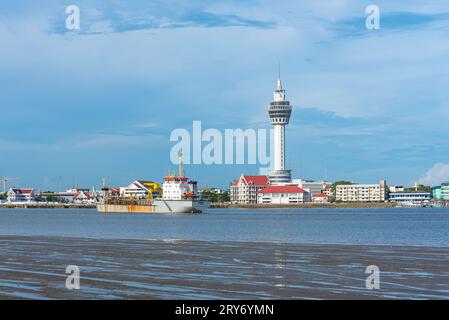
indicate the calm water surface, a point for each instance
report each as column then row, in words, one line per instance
column 428, row 227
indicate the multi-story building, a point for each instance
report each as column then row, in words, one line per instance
column 362, row 192
column 396, row 188
column 137, row 189
column 313, row 187
column 244, row 189
column 282, row 195
column 411, row 197
column 20, row 195
column 445, row 191
column 436, row 192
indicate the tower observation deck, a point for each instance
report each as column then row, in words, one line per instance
column 279, row 112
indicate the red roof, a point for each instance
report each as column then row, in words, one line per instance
column 82, row 196
column 282, row 189
column 254, row 180
column 22, row 191
column 320, row 195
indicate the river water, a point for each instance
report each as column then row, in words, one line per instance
column 420, row 226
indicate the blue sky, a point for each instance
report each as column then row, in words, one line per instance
column 101, row 102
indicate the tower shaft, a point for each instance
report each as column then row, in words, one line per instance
column 279, row 147
column 279, row 112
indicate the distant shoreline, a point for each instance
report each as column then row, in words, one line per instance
column 376, row 205
column 46, row 206
column 347, row 205
column 308, row 205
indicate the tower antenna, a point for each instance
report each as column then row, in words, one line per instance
column 279, row 69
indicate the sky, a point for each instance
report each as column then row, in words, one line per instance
column 102, row 101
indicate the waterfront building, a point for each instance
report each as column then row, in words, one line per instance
column 327, row 190
column 411, row 198
column 279, row 112
column 445, row 191
column 282, row 195
column 244, row 189
column 362, row 192
column 436, row 193
column 20, row 195
column 320, row 198
column 137, row 189
column 83, row 197
column 313, row 187
column 69, row 195
column 396, row 188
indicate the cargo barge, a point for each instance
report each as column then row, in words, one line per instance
column 178, row 194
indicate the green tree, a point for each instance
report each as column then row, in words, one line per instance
column 420, row 187
column 51, row 198
column 224, row 197
column 337, row 183
column 3, row 196
column 215, row 197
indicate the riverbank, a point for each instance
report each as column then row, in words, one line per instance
column 346, row 205
column 34, row 268
column 379, row 205
column 44, row 205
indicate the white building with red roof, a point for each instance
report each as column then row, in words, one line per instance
column 282, row 195
column 83, row 197
column 320, row 198
column 137, row 189
column 244, row 189
column 20, row 195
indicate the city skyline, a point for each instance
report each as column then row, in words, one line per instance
column 102, row 101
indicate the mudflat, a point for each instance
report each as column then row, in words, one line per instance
column 35, row 268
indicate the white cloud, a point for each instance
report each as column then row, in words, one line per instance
column 436, row 175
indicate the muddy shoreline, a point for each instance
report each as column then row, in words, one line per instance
column 34, row 268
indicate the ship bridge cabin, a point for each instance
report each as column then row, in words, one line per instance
column 178, row 188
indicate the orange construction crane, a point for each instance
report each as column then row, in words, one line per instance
column 5, row 179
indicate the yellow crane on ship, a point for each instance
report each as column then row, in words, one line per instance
column 153, row 187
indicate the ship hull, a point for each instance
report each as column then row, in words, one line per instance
column 158, row 206
column 119, row 208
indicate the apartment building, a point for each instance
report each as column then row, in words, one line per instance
column 244, row 189
column 362, row 192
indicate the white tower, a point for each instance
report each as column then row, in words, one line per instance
column 279, row 112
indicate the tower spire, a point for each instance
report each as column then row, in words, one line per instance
column 279, row 69
column 279, row 92
column 279, row 82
